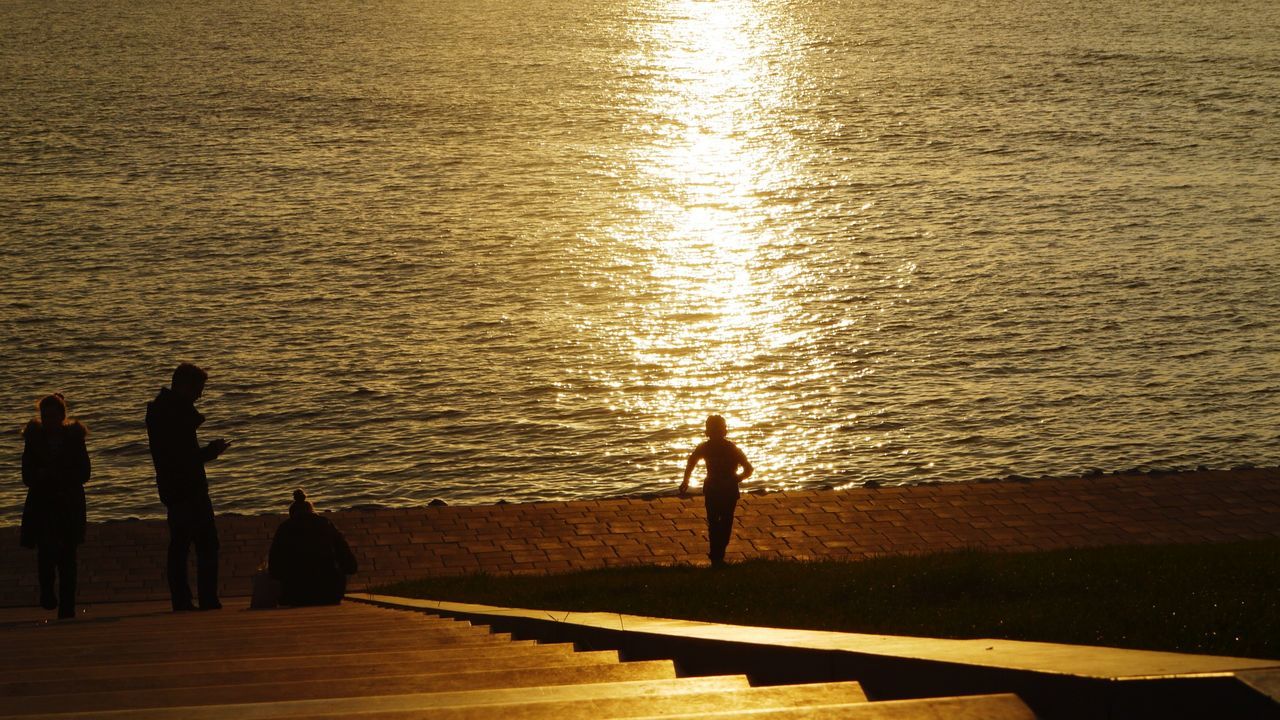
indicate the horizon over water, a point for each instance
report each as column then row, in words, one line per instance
column 472, row 251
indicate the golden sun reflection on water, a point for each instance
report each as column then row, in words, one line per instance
column 713, row 316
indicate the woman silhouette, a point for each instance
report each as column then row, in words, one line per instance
column 55, row 467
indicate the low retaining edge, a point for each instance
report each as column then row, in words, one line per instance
column 1056, row 681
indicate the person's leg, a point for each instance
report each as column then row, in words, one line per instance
column 712, row 525
column 176, row 567
column 46, row 561
column 206, row 539
column 719, row 525
column 67, row 581
column 726, row 514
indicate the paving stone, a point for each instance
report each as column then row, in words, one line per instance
column 125, row 560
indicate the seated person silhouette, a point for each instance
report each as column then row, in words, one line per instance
column 309, row 557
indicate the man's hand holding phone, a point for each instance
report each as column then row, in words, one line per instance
column 219, row 446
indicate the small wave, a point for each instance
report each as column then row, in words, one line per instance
column 437, row 415
column 131, row 449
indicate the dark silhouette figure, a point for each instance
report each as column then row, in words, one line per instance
column 720, row 489
column 179, row 459
column 309, row 557
column 55, row 467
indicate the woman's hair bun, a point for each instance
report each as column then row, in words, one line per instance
column 299, row 496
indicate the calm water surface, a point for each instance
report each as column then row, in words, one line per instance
column 478, row 250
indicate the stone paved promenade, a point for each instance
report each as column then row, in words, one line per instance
column 125, row 560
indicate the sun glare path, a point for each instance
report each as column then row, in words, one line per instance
column 712, row 322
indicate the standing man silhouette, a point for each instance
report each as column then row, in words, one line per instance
column 720, row 490
column 172, row 420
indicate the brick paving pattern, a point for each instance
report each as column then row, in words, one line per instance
column 125, row 560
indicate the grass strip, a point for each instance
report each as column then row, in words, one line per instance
column 1221, row 599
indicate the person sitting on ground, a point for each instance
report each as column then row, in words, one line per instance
column 720, row 489
column 309, row 557
column 55, row 467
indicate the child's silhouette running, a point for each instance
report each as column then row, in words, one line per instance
column 720, row 490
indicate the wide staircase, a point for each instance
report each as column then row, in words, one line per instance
column 354, row 660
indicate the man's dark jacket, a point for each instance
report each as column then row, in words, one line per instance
column 178, row 457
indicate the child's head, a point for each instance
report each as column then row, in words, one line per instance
column 716, row 427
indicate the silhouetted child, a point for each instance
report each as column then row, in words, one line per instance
column 55, row 467
column 309, row 557
column 720, row 489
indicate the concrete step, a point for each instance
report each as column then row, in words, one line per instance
column 103, row 615
column 151, row 610
column 370, row 663
column 78, row 642
column 190, row 623
column 357, row 667
column 100, row 655
column 336, row 688
column 498, row 697
column 739, row 700
column 228, row 636
column 229, row 619
column 391, row 658
column 1264, row 682
column 975, row 707
column 214, row 638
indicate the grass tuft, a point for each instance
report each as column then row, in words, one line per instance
column 1219, row 599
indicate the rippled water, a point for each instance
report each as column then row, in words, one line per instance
column 479, row 250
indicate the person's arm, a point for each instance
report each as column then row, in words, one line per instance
column 746, row 466
column 81, row 454
column 210, row 452
column 694, row 457
column 166, row 456
column 165, row 453
column 30, row 464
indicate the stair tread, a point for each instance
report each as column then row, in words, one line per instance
column 167, row 667
column 973, row 707
column 752, row 698
column 214, row 675
column 349, row 687
column 457, row 698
